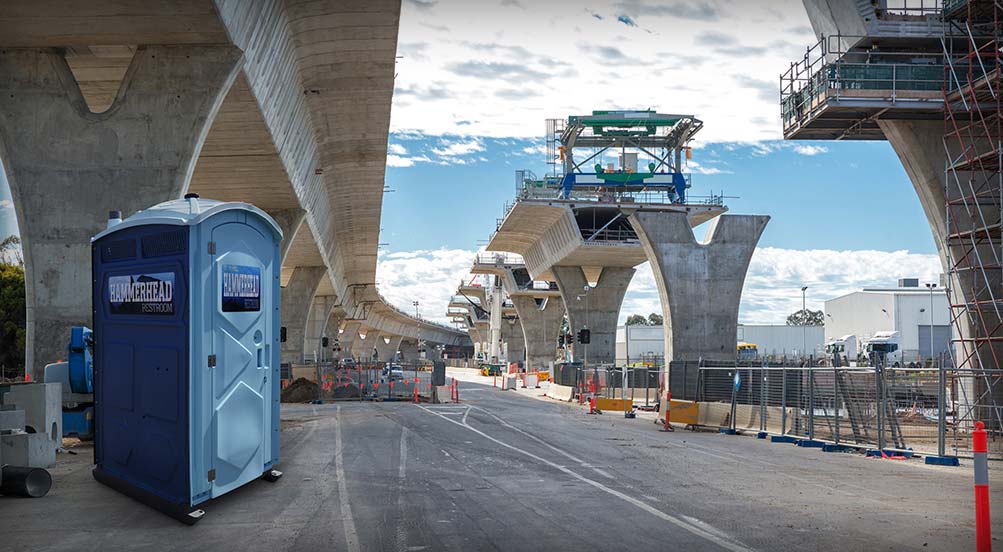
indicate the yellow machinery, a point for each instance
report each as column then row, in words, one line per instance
column 747, row 351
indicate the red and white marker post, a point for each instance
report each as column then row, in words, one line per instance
column 983, row 530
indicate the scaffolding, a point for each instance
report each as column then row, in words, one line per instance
column 973, row 129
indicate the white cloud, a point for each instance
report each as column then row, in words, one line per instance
column 454, row 149
column 484, row 69
column 809, row 149
column 401, row 161
column 772, row 286
column 697, row 168
column 429, row 276
column 538, row 149
column 773, row 283
column 6, row 204
column 397, row 149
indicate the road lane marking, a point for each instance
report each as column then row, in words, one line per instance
column 717, row 537
column 401, row 472
column 581, row 462
column 351, row 535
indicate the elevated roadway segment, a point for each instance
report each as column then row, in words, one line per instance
column 538, row 305
column 121, row 105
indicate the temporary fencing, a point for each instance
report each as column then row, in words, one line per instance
column 927, row 410
column 369, row 381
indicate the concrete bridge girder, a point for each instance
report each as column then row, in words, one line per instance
column 264, row 129
column 699, row 284
column 540, row 326
column 56, row 153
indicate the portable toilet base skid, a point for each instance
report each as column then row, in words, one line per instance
column 186, row 353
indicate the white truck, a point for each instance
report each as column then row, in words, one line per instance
column 845, row 347
column 886, row 343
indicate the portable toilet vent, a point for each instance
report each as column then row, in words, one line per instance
column 186, row 352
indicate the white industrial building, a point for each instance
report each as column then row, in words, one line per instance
column 905, row 309
column 637, row 342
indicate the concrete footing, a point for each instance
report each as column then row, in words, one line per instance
column 699, row 284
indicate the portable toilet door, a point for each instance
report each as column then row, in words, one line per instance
column 240, row 345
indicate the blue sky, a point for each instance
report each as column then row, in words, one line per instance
column 848, row 195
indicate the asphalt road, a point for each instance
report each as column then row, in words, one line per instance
column 504, row 471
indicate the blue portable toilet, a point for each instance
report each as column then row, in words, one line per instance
column 186, row 352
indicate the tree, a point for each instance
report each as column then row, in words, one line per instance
column 806, row 317
column 637, row 320
column 12, row 308
column 10, row 251
column 655, row 319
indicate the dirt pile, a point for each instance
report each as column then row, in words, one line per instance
column 301, row 390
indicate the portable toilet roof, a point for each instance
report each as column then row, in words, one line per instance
column 185, row 212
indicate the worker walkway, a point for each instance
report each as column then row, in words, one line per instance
column 505, row 471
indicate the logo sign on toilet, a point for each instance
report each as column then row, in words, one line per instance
column 241, row 288
column 148, row 294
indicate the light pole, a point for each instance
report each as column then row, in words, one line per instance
column 811, row 375
column 804, row 321
column 931, row 287
column 415, row 303
column 586, row 289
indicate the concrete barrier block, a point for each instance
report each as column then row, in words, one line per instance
column 443, row 394
column 34, row 450
column 560, row 392
column 11, row 419
column 42, row 404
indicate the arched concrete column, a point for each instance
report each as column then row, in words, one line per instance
column 598, row 309
column 921, row 148
column 289, row 221
column 541, row 325
column 351, row 340
column 67, row 167
column 297, row 299
column 332, row 330
column 320, row 311
column 699, row 284
column 386, row 347
column 515, row 343
column 408, row 350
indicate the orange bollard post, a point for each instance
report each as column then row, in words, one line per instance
column 668, row 410
column 983, row 531
column 416, row 394
column 456, row 385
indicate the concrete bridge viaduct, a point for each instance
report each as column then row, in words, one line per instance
column 119, row 105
